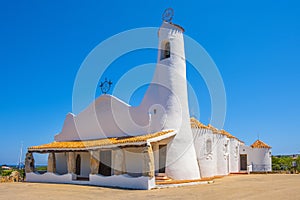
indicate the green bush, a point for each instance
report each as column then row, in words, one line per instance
column 41, row 168
column 22, row 173
column 284, row 163
column 6, row 172
column 298, row 163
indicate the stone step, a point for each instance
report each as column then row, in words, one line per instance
column 162, row 177
column 160, row 174
column 238, row 173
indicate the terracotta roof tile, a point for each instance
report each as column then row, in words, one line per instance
column 98, row 143
column 260, row 144
column 196, row 124
column 223, row 132
column 211, row 127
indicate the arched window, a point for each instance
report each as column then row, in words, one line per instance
column 208, row 146
column 165, row 50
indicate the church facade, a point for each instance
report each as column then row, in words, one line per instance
column 111, row 143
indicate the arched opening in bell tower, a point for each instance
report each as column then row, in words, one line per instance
column 165, row 50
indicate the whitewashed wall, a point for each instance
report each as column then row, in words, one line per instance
column 259, row 158
column 234, row 155
column 207, row 161
column 120, row 181
column 222, row 155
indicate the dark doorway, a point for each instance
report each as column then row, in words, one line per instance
column 162, row 158
column 78, row 164
column 243, row 161
column 105, row 163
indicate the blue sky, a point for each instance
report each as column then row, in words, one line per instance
column 255, row 44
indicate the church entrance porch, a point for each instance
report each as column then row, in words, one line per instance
column 126, row 162
column 108, row 162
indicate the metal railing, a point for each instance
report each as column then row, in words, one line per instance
column 261, row 168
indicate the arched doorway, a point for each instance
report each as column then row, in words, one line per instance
column 78, row 164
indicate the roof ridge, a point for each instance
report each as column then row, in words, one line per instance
column 99, row 142
column 197, row 124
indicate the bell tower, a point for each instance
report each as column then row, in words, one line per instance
column 169, row 90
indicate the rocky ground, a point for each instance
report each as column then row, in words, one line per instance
column 267, row 186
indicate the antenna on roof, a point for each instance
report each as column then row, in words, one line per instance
column 20, row 163
column 257, row 136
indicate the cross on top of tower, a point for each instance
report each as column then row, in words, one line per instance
column 105, row 86
column 168, row 14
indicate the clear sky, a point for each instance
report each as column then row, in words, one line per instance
column 255, row 44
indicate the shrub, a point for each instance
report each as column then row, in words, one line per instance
column 41, row 168
column 6, row 172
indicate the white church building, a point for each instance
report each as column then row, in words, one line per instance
column 138, row 150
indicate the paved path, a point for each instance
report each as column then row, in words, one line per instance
column 256, row 187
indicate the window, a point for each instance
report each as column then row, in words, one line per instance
column 236, row 151
column 165, row 50
column 208, row 146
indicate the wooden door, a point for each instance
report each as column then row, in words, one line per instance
column 243, row 161
column 162, row 158
column 78, row 164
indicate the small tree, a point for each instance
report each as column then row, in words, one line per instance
column 298, row 164
column 276, row 164
column 282, row 163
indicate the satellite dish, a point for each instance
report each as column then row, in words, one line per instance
column 168, row 14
